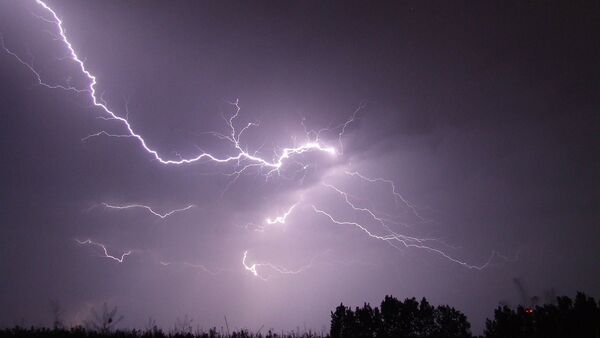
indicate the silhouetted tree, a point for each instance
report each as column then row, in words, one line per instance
column 410, row 319
column 450, row 322
column 367, row 321
column 425, row 321
column 103, row 322
column 338, row 322
column 564, row 318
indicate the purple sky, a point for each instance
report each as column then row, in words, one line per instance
column 483, row 115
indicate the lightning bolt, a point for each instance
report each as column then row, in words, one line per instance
column 343, row 126
column 241, row 159
column 83, row 139
column 285, row 271
column 372, row 215
column 407, row 242
column 37, row 75
column 281, row 219
column 274, row 164
column 149, row 209
column 397, row 196
column 105, row 250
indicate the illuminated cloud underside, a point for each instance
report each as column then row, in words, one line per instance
column 243, row 160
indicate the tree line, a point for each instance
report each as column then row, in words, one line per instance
column 562, row 317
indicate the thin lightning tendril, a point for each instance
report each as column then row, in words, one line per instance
column 374, row 217
column 284, row 271
column 149, row 209
column 405, row 242
column 281, row 219
column 396, row 194
column 105, row 134
column 105, row 250
column 343, row 126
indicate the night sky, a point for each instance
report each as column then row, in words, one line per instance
column 484, row 115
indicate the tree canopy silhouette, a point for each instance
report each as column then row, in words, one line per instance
column 394, row 318
column 564, row 318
